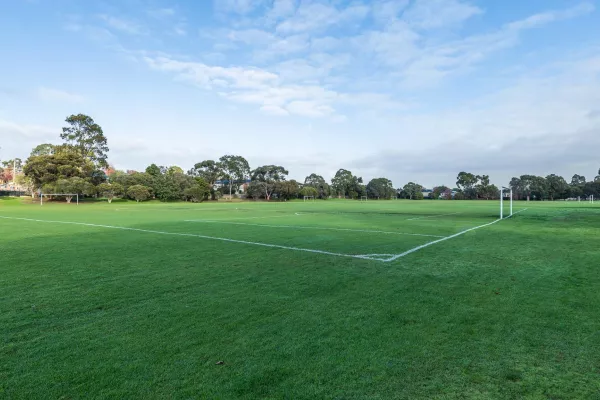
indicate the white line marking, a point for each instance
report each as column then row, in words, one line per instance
column 226, row 221
column 432, row 216
column 317, row 228
column 397, row 256
column 275, row 246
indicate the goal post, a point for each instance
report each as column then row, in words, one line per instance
column 363, row 198
column 510, row 192
column 309, row 198
column 68, row 196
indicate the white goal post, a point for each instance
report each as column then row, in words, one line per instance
column 502, row 191
column 69, row 197
column 363, row 198
column 309, row 198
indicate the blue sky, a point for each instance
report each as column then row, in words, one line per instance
column 413, row 90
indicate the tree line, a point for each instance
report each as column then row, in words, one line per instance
column 80, row 165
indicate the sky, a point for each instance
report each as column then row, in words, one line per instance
column 411, row 90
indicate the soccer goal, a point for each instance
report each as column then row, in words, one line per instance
column 363, row 198
column 591, row 199
column 504, row 191
column 68, row 196
column 309, row 198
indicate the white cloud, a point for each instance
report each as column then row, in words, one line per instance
column 318, row 16
column 55, row 95
column 123, row 25
column 237, row 6
column 430, row 14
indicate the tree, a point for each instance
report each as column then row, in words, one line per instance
column 153, row 170
column 209, row 170
column 233, row 169
column 308, row 191
column 138, row 193
column 74, row 185
column 254, row 190
column 26, row 183
column 439, row 191
column 198, row 192
column 346, row 184
column 172, row 186
column 466, row 183
column 578, row 180
column 110, row 190
column 45, row 149
column 411, row 190
column 287, row 190
column 318, row 182
column 484, row 189
column 380, row 188
column 517, row 188
column 267, row 177
column 87, row 136
column 63, row 164
column 556, row 186
column 174, row 170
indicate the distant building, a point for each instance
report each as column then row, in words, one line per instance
column 243, row 185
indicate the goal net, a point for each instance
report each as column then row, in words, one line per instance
column 363, row 198
column 309, row 198
column 68, row 196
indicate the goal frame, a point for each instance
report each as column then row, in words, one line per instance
column 364, row 198
column 60, row 194
column 309, row 198
column 502, row 191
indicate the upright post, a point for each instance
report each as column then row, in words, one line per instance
column 511, row 202
column 501, row 203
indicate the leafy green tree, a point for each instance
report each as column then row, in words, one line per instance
column 346, row 184
column 319, row 183
column 380, row 188
column 198, row 192
column 484, row 189
column 466, row 183
column 233, row 169
column 578, row 180
column 138, row 193
column 556, row 186
column 287, row 190
column 171, row 186
column 309, row 191
column 411, row 190
column 136, row 178
column 174, row 170
column 439, row 192
column 154, row 170
column 87, row 137
column 209, row 170
column 110, row 190
column 62, row 164
column 45, row 149
column 517, row 187
column 74, row 185
column 267, row 177
column 254, row 191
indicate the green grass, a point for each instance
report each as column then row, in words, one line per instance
column 508, row 311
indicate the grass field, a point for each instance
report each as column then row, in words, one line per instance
column 316, row 300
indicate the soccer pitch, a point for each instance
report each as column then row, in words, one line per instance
column 299, row 300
